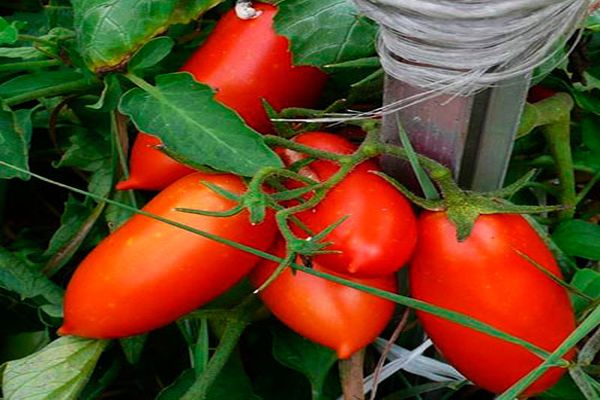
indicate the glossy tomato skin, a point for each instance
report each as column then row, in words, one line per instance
column 245, row 62
column 146, row 160
column 380, row 234
column 333, row 315
column 147, row 273
column 484, row 277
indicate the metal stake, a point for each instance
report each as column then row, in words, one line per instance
column 472, row 135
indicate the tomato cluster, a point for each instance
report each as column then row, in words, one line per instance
column 148, row 273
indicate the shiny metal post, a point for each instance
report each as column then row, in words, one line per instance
column 472, row 135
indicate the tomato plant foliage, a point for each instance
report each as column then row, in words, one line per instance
column 79, row 78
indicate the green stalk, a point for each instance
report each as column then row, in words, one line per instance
column 35, row 39
column 553, row 115
column 558, row 136
column 29, row 65
column 233, row 331
column 65, row 253
column 118, row 133
column 56, row 90
column 544, row 112
column 589, row 324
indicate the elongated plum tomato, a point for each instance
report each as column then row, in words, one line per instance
column 380, row 234
column 486, row 278
column 147, row 273
column 331, row 314
column 246, row 62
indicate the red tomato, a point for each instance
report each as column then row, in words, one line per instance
column 326, row 312
column 245, row 61
column 539, row 93
column 148, row 273
column 484, row 277
column 380, row 233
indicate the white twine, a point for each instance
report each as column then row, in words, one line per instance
column 464, row 46
column 460, row 47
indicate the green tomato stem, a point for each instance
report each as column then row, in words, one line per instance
column 119, row 135
column 233, row 331
column 29, row 65
column 544, row 112
column 80, row 85
column 558, row 136
column 35, row 39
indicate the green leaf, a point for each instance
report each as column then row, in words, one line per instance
column 587, row 281
column 37, row 81
column 24, row 52
column 109, row 99
column 57, row 372
column 324, row 32
column 90, row 149
column 312, row 360
column 25, row 123
column 22, row 344
column 178, row 388
column 77, row 227
column 30, row 284
column 151, row 54
column 133, row 347
column 87, row 151
column 195, row 128
column 578, row 238
column 565, row 389
column 593, row 21
column 102, row 180
column 232, row 383
column 591, row 133
column 588, row 101
column 115, row 215
column 109, row 31
column 13, row 146
column 8, row 33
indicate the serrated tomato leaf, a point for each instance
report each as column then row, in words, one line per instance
column 13, row 146
column 57, row 372
column 196, row 128
column 109, row 31
column 324, row 32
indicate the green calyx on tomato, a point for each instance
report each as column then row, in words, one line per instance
column 464, row 207
column 486, row 277
column 476, row 255
column 369, row 228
